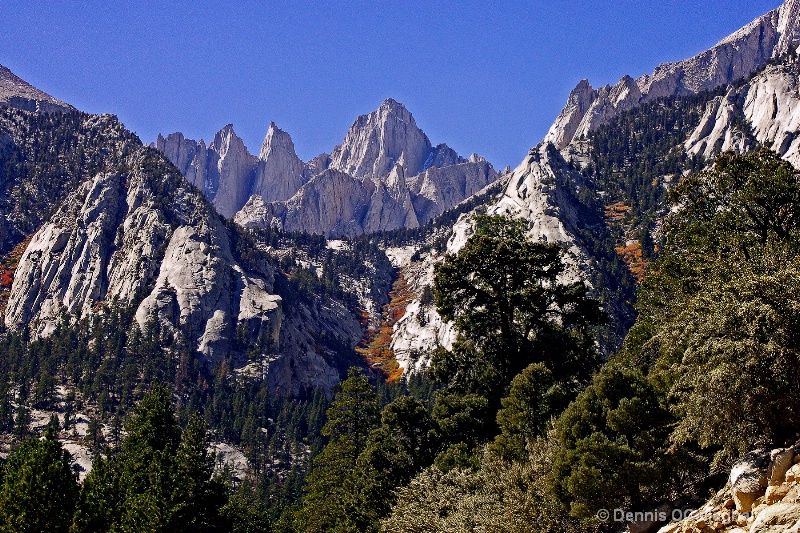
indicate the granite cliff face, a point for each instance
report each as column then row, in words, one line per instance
column 191, row 158
column 234, row 171
column 443, row 187
column 280, row 173
column 378, row 141
column 733, row 58
column 19, row 94
column 385, row 175
column 535, row 191
column 764, row 110
column 136, row 234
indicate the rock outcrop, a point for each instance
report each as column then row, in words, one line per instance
column 337, row 204
column 442, row 187
column 17, row 93
column 761, row 496
column 764, row 110
column 191, row 157
column 735, row 57
column 535, row 192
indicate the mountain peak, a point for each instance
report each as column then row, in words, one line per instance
column 276, row 139
column 379, row 140
column 17, row 93
column 393, row 104
column 279, row 173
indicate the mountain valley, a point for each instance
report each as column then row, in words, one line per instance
column 251, row 286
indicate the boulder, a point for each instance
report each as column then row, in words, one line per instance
column 749, row 479
column 776, row 493
column 793, row 474
column 781, row 461
column 778, row 518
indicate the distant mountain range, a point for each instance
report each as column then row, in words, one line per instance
column 104, row 226
column 385, row 175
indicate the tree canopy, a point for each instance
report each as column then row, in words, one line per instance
column 511, row 308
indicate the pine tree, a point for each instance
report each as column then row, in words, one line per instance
column 503, row 293
column 39, row 489
column 329, row 499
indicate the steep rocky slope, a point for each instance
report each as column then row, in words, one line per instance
column 564, row 204
column 767, row 108
column 762, row 495
column 133, row 232
column 543, row 190
column 733, row 58
column 19, row 94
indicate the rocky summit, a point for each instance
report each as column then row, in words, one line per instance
column 385, row 175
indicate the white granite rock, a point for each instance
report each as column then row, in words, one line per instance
column 733, row 58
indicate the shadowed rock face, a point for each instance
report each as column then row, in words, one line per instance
column 19, row 94
column 733, row 58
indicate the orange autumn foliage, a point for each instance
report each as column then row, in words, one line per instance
column 375, row 346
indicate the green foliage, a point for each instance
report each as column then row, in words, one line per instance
column 404, row 444
column 330, row 500
column 247, row 511
column 738, row 206
column 717, row 327
column 39, row 489
column 503, row 293
column 45, row 156
column 161, row 479
column 462, row 418
column 534, row 399
column 635, row 151
column 610, row 437
column 499, row 496
column 731, row 356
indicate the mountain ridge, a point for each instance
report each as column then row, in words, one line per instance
column 733, row 57
column 17, row 93
column 412, row 181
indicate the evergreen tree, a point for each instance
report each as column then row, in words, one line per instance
column 611, row 437
column 197, row 493
column 534, row 399
column 717, row 324
column 404, row 444
column 39, row 488
column 160, row 479
column 503, row 293
column 330, row 498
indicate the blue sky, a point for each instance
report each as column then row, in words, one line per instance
column 485, row 77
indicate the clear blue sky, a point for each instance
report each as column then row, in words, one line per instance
column 485, row 77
